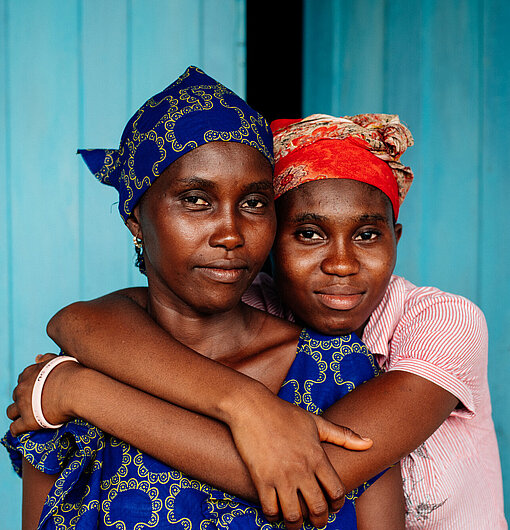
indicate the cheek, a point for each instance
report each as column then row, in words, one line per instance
column 168, row 241
column 380, row 271
column 260, row 238
column 292, row 275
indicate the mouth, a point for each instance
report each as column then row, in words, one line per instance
column 340, row 298
column 224, row 271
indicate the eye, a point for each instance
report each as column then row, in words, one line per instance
column 254, row 203
column 367, row 235
column 195, row 201
column 309, row 234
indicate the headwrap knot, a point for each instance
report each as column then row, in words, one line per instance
column 309, row 149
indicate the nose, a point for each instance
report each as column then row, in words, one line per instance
column 341, row 260
column 227, row 232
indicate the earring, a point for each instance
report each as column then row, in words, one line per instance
column 137, row 242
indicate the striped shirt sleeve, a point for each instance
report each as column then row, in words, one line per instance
column 443, row 339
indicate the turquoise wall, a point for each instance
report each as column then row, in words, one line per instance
column 71, row 74
column 444, row 67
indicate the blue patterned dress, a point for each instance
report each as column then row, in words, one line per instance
column 106, row 483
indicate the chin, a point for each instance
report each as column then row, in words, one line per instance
column 217, row 307
column 335, row 326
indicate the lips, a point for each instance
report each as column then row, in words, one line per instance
column 225, row 270
column 340, row 297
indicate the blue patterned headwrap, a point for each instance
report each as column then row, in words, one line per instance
column 192, row 111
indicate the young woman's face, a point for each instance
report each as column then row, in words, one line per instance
column 207, row 225
column 335, row 251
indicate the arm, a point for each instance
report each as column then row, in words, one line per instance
column 36, row 487
column 204, row 448
column 443, row 338
column 390, row 409
column 399, row 425
column 382, row 506
column 100, row 334
column 190, row 442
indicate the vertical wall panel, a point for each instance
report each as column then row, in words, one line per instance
column 403, row 61
column 10, row 487
column 71, row 74
column 450, row 145
column 104, row 92
column 43, row 82
column 318, row 74
column 495, row 239
column 349, row 67
column 444, row 69
column 173, row 31
column 225, row 25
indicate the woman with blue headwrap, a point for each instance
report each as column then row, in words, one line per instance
column 193, row 173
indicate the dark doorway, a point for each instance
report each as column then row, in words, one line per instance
column 274, row 57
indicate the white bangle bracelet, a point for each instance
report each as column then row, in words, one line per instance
column 38, row 389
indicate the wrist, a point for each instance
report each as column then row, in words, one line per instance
column 60, row 391
column 242, row 401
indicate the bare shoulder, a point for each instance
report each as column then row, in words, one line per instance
column 136, row 294
column 274, row 331
column 271, row 353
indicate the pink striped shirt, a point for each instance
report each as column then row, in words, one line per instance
column 453, row 480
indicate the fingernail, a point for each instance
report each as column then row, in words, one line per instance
column 366, row 439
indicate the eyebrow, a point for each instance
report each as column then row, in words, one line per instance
column 211, row 185
column 365, row 218
column 262, row 185
column 196, row 181
column 307, row 217
column 371, row 218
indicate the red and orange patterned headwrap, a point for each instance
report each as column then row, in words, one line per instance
column 366, row 148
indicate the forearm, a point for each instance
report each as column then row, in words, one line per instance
column 194, row 444
column 382, row 506
column 391, row 410
column 36, row 487
column 388, row 409
column 117, row 337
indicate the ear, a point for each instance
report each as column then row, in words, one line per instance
column 133, row 224
column 398, row 232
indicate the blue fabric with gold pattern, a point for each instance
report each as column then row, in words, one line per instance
column 194, row 110
column 106, row 483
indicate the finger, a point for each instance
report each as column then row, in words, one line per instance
column 42, row 358
column 291, row 509
column 18, row 427
column 12, row 411
column 317, row 506
column 331, row 484
column 303, row 506
column 24, row 373
column 342, row 436
column 269, row 503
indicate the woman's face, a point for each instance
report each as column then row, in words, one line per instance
column 335, row 251
column 207, row 225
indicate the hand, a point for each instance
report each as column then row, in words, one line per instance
column 54, row 407
column 280, row 445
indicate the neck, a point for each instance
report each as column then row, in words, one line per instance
column 200, row 331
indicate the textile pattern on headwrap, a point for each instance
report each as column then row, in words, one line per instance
column 309, row 149
column 192, row 111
